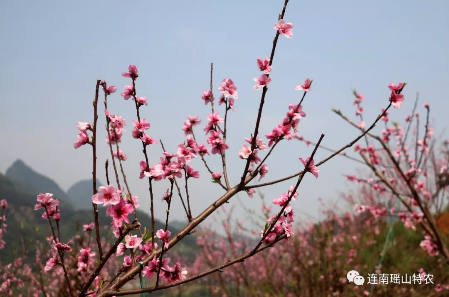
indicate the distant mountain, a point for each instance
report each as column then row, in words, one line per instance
column 31, row 182
column 80, row 194
column 20, row 186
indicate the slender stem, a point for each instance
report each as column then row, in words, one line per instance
column 106, row 165
column 179, row 190
column 262, row 100
column 144, row 150
column 166, row 228
column 366, row 132
column 94, row 170
column 187, row 191
column 424, row 143
column 207, row 167
column 223, row 155
column 61, row 256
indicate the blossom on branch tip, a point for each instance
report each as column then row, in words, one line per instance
column 284, row 28
column 108, row 90
column 305, row 87
column 228, row 89
column 132, row 72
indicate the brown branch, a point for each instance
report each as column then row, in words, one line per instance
column 273, row 223
column 94, row 170
column 165, row 230
column 365, row 132
column 198, row 276
column 103, row 261
column 186, row 231
column 262, row 100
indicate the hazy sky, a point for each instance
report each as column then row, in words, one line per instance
column 52, row 52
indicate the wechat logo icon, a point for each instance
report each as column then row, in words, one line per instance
column 354, row 277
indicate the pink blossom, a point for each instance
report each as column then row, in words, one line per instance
column 108, row 90
column 228, row 89
column 217, row 176
column 263, row 170
column 250, row 193
column 129, row 90
column 132, row 72
column 127, row 262
column 202, row 150
column 245, row 152
column 83, row 126
column 395, row 88
column 107, row 196
column 114, row 137
column 284, row 29
column 120, row 155
column 147, row 140
column 3, row 204
column 83, row 138
column 358, row 98
column 164, row 236
column 51, row 262
column 305, row 87
column 207, row 97
column 141, row 126
column 120, row 212
column 121, row 248
column 262, row 81
column 396, row 99
column 264, row 65
column 191, row 173
column 89, row 227
column 46, row 201
column 143, row 168
column 295, row 112
column 132, row 241
column 259, row 143
column 312, row 169
column 361, row 125
column 141, row 101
